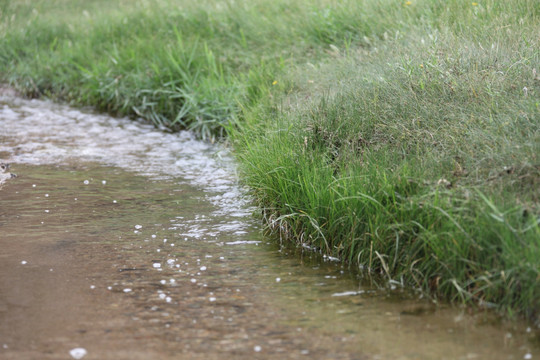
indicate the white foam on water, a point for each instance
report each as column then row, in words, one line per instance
column 348, row 293
column 242, row 242
column 78, row 353
column 40, row 132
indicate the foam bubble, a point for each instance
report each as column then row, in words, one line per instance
column 78, row 353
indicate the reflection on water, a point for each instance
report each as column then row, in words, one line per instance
column 119, row 239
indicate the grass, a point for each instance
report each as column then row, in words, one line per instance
column 402, row 137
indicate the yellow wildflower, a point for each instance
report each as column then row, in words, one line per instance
column 474, row 4
column 408, row 3
column 275, row 82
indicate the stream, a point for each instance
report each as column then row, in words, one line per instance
column 123, row 241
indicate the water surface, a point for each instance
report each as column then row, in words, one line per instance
column 133, row 243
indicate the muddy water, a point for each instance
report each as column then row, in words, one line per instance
column 137, row 244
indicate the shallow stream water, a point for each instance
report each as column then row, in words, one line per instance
column 134, row 243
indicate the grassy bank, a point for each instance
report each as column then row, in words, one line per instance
column 402, row 137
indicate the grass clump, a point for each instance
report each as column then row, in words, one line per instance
column 416, row 160
column 402, row 137
column 175, row 64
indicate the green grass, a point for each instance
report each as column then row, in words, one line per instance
column 401, row 137
column 419, row 162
